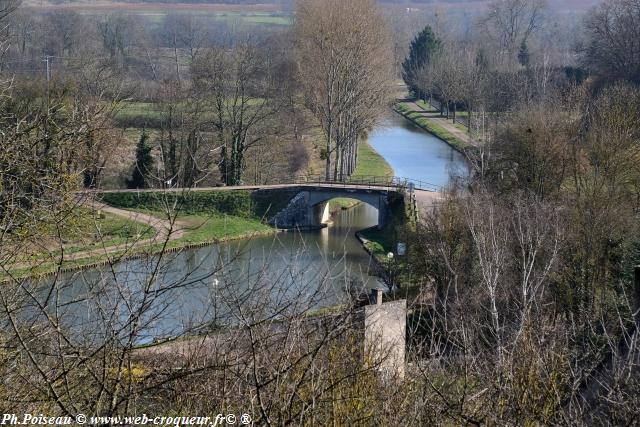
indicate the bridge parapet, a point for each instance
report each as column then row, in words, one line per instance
column 371, row 182
column 306, row 199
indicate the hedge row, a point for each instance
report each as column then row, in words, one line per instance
column 242, row 203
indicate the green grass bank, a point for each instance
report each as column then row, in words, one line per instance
column 209, row 216
column 431, row 127
column 370, row 164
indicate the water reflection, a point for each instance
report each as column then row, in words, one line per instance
column 201, row 285
column 291, row 271
column 416, row 154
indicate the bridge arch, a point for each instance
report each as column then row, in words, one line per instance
column 309, row 208
column 335, row 204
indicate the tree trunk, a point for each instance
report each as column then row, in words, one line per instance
column 352, row 161
column 327, row 170
column 355, row 154
column 335, row 163
column 342, row 167
column 175, row 53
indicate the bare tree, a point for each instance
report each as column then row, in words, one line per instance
column 7, row 7
column 610, row 48
column 490, row 239
column 186, row 31
column 69, row 31
column 512, row 22
column 117, row 32
column 344, row 58
column 186, row 153
column 236, row 86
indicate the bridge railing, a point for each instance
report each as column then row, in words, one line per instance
column 371, row 181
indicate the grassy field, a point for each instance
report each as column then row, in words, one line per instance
column 158, row 16
column 203, row 221
column 150, row 115
column 107, row 230
column 141, row 110
column 458, row 125
column 83, row 227
column 199, row 229
column 133, row 134
column 210, row 216
column 209, row 226
column 213, row 228
column 267, row 14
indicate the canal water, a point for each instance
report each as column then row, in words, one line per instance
column 415, row 154
column 313, row 268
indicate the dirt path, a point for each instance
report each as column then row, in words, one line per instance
column 165, row 229
column 434, row 116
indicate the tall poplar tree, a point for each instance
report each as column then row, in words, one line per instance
column 344, row 58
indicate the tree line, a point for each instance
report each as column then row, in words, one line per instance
column 216, row 95
column 521, row 308
column 531, row 260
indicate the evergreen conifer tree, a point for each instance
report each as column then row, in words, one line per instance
column 423, row 47
column 523, row 54
column 144, row 163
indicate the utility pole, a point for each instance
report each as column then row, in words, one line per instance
column 47, row 59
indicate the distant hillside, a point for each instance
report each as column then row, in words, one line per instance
column 34, row 3
column 248, row 5
column 558, row 5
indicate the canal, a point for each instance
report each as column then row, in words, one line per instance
column 416, row 154
column 314, row 268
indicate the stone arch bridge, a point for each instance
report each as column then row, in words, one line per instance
column 309, row 208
